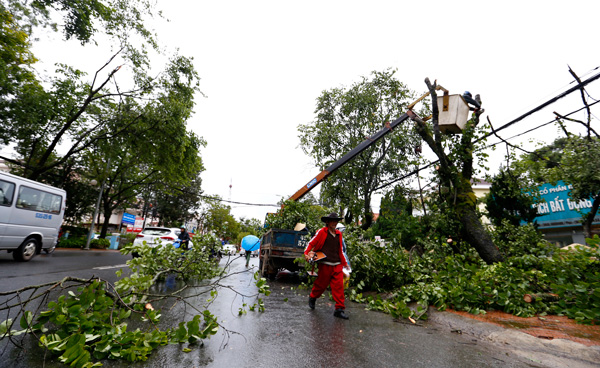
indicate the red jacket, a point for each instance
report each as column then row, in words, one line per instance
column 316, row 243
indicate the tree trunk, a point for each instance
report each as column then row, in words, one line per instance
column 367, row 213
column 455, row 173
column 476, row 235
column 589, row 218
column 107, row 212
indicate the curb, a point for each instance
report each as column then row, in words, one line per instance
column 556, row 353
column 85, row 250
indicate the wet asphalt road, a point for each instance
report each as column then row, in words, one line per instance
column 55, row 266
column 287, row 334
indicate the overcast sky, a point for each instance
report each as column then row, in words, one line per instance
column 264, row 63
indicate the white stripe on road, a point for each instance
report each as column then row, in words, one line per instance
column 109, row 267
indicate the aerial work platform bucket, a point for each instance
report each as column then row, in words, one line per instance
column 453, row 113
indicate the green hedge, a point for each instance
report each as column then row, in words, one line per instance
column 100, row 243
column 75, row 231
column 72, row 242
column 81, row 241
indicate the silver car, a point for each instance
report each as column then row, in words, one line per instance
column 154, row 236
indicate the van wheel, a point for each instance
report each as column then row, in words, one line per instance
column 26, row 251
column 49, row 250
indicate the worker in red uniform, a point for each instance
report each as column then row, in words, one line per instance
column 329, row 241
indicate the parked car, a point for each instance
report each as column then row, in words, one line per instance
column 229, row 249
column 154, row 236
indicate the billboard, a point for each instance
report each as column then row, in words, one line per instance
column 128, row 219
column 556, row 209
column 136, row 226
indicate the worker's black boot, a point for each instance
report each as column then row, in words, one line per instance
column 311, row 302
column 339, row 313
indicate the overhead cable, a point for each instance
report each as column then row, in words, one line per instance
column 243, row 203
column 552, row 100
column 549, row 102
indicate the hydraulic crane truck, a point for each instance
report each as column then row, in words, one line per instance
column 279, row 247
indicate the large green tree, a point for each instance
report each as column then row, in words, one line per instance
column 456, row 154
column 158, row 154
column 74, row 111
column 72, row 124
column 217, row 219
column 344, row 118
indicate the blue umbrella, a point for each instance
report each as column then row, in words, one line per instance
column 250, row 243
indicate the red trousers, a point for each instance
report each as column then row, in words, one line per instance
column 330, row 275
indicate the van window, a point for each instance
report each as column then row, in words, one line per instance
column 7, row 190
column 37, row 200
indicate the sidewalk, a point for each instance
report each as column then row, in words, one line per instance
column 547, row 341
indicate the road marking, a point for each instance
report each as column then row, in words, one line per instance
column 109, row 267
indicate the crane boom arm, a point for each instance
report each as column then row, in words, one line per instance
column 350, row 155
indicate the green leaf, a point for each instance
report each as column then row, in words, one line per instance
column 4, row 326
column 26, row 319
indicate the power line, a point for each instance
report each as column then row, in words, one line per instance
column 536, row 109
column 242, row 203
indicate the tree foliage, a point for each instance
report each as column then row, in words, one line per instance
column 344, row 118
column 396, row 220
column 179, row 204
column 574, row 160
column 580, row 167
column 539, row 162
column 217, row 219
column 507, row 200
column 294, row 212
column 445, row 279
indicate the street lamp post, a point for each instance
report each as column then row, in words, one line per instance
column 94, row 182
column 89, row 238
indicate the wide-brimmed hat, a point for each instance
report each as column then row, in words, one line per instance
column 331, row 217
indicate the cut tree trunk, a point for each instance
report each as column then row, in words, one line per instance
column 544, row 297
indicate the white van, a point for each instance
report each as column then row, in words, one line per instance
column 31, row 214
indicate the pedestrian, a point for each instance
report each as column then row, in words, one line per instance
column 184, row 236
column 248, row 254
column 329, row 241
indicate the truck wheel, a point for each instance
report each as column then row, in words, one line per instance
column 26, row 251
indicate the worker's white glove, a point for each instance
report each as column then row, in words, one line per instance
column 347, row 271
